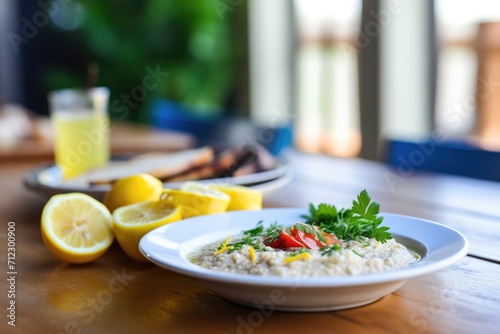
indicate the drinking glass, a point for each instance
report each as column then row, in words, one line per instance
column 81, row 127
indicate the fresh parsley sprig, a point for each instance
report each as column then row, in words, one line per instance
column 361, row 220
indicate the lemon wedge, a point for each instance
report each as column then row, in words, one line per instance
column 76, row 228
column 133, row 221
column 242, row 198
column 133, row 189
column 196, row 199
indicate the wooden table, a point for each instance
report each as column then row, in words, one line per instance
column 117, row 295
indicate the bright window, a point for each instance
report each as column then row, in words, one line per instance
column 457, row 26
column 327, row 77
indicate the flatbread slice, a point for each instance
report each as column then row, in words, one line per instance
column 158, row 165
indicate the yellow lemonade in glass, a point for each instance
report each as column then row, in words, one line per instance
column 81, row 128
column 81, row 141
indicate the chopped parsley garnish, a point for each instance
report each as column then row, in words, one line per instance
column 255, row 231
column 251, row 238
column 300, row 251
column 253, row 241
column 350, row 224
column 354, row 251
column 328, row 250
column 273, row 232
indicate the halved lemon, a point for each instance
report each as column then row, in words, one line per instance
column 196, row 199
column 133, row 189
column 133, row 221
column 242, row 198
column 76, row 228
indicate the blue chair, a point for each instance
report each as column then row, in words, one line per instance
column 450, row 157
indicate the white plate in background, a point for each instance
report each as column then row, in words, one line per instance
column 47, row 180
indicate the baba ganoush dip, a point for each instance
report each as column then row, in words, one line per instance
column 366, row 256
column 330, row 242
column 354, row 257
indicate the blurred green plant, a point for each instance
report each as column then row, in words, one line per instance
column 188, row 39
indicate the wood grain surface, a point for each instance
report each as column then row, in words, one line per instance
column 117, row 295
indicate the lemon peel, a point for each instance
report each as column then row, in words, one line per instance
column 133, row 189
column 251, row 251
column 301, row 256
column 224, row 247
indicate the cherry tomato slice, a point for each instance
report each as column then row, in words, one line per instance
column 298, row 239
column 308, row 240
column 278, row 244
column 330, row 239
column 285, row 240
column 289, row 240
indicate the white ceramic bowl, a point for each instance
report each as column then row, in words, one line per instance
column 168, row 246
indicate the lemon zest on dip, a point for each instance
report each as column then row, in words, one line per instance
column 224, row 247
column 251, row 250
column 301, row 256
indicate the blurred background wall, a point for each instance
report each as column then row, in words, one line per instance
column 344, row 76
